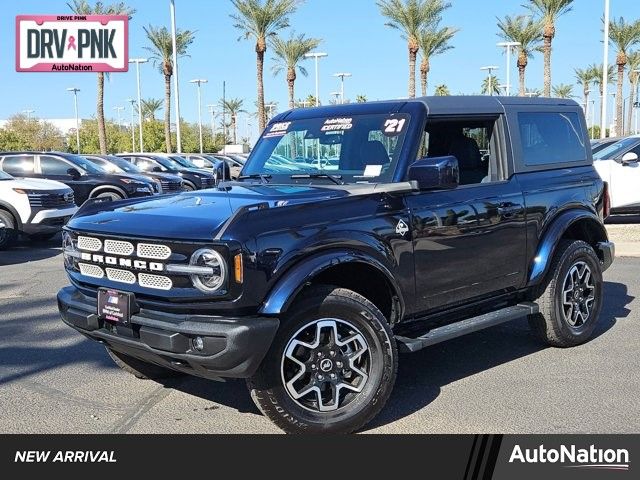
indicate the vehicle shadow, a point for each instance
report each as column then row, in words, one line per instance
column 622, row 219
column 30, row 251
column 422, row 375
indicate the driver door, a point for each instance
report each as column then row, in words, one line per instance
column 55, row 168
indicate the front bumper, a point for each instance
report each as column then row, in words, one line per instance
column 233, row 347
column 607, row 252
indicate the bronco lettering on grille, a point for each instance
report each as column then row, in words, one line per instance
column 122, row 262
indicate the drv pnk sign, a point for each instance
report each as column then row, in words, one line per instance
column 72, row 43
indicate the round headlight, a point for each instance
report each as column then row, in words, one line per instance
column 209, row 258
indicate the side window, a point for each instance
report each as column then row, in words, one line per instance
column 18, row 165
column 471, row 142
column 53, row 166
column 549, row 138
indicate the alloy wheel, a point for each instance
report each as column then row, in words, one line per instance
column 325, row 365
column 578, row 295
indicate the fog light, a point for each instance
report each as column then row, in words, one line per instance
column 198, row 343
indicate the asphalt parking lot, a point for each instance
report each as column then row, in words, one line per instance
column 53, row 380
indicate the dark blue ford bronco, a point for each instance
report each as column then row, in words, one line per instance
column 354, row 232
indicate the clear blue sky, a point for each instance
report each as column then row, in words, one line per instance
column 353, row 34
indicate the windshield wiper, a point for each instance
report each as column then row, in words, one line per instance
column 337, row 179
column 256, row 176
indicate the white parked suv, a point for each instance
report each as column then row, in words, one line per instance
column 33, row 207
column 618, row 165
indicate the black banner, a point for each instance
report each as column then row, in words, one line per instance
column 461, row 457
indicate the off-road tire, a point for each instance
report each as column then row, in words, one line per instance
column 9, row 233
column 267, row 386
column 140, row 369
column 550, row 324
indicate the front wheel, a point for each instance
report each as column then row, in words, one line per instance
column 572, row 298
column 331, row 367
column 112, row 195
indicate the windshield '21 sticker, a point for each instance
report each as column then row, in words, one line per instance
column 394, row 126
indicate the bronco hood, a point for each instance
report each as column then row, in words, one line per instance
column 191, row 216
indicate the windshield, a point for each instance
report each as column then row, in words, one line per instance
column 5, row 176
column 614, row 151
column 170, row 162
column 85, row 164
column 182, row 161
column 124, row 165
column 357, row 148
column 165, row 164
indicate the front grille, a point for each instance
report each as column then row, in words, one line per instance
column 51, row 200
column 89, row 244
column 122, row 276
column 116, row 247
column 91, row 270
column 208, row 182
column 158, row 282
column 168, row 186
column 155, row 252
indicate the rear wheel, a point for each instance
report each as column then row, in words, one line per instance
column 8, row 233
column 572, row 298
column 189, row 187
column 331, row 367
column 140, row 369
column 114, row 196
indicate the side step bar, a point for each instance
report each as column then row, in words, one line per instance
column 470, row 325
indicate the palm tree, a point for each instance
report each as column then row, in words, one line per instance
column 633, row 61
column 411, row 17
column 83, row 7
column 149, row 108
column 563, row 90
column 233, row 106
column 162, row 56
column 288, row 55
column 442, row 91
column 585, row 77
column 491, row 85
column 361, row 99
column 262, row 19
column 597, row 72
column 548, row 11
column 526, row 31
column 433, row 41
column 623, row 35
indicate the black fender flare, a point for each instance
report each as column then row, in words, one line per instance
column 552, row 235
column 293, row 281
column 6, row 206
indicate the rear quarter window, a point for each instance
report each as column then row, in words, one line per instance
column 549, row 138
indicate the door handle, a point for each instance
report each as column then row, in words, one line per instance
column 509, row 209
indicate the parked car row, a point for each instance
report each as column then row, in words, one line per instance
column 616, row 160
column 40, row 191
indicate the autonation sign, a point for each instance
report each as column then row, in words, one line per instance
column 72, row 43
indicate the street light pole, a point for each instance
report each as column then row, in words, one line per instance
column 342, row 76
column 75, row 91
column 336, row 95
column 119, row 109
column 212, row 111
column 176, row 82
column 508, row 46
column 636, row 105
column 593, row 119
column 28, row 113
column 605, row 71
column 317, row 56
column 199, row 82
column 490, row 69
column 133, row 135
column 138, row 61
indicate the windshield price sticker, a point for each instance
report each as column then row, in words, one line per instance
column 278, row 130
column 394, row 126
column 337, row 124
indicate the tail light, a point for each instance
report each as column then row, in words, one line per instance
column 606, row 201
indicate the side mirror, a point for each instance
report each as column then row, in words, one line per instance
column 435, row 173
column 221, row 171
column 629, row 158
column 74, row 173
